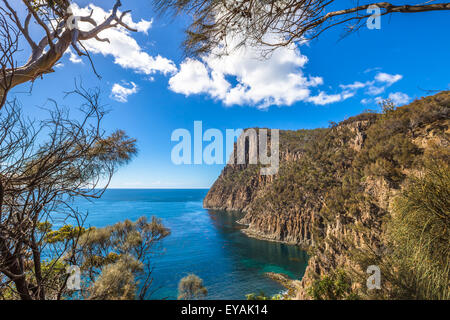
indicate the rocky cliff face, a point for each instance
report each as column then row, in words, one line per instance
column 241, row 188
column 336, row 185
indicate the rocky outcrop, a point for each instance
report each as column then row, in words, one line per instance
column 241, row 188
column 292, row 286
column 292, row 226
column 335, row 186
column 232, row 197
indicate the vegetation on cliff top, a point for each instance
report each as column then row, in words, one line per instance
column 346, row 178
column 416, row 264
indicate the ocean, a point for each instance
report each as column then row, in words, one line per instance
column 207, row 243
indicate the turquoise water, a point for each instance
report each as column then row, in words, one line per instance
column 207, row 243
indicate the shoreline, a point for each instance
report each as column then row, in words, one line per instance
column 292, row 286
column 258, row 234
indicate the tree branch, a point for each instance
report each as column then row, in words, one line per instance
column 41, row 23
column 54, row 44
column 108, row 23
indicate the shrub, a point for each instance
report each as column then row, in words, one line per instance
column 191, row 287
column 334, row 286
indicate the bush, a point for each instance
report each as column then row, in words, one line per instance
column 334, row 286
column 420, row 232
column 262, row 296
column 191, row 287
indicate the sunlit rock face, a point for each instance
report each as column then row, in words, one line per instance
column 335, row 182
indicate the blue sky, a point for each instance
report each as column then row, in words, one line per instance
column 152, row 90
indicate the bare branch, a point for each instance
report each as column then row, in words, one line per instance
column 45, row 165
column 111, row 22
column 41, row 23
column 272, row 23
column 57, row 40
column 24, row 30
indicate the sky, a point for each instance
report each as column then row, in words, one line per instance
column 152, row 89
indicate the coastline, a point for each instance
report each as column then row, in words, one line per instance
column 251, row 233
column 292, row 285
column 255, row 234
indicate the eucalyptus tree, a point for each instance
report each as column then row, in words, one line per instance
column 44, row 167
column 277, row 23
column 58, row 32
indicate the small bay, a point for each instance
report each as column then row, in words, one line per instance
column 205, row 242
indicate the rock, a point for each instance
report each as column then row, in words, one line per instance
column 324, row 169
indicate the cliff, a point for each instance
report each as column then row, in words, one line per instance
column 335, row 186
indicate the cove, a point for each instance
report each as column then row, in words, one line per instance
column 205, row 242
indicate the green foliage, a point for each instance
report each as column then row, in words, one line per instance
column 55, row 270
column 117, row 280
column 338, row 175
column 388, row 155
column 387, row 106
column 262, row 296
column 191, row 287
column 47, row 165
column 322, row 157
column 58, row 7
column 118, row 148
column 65, row 233
column 116, row 259
column 334, row 286
column 420, row 236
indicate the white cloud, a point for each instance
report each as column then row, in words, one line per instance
column 390, row 79
column 354, row 86
column 122, row 47
column 141, row 26
column 73, row 57
column 374, row 87
column 243, row 78
column 399, row 98
column 323, row 98
column 374, row 90
column 240, row 78
column 372, row 69
column 194, row 78
column 121, row 93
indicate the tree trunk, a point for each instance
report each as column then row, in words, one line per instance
column 36, row 68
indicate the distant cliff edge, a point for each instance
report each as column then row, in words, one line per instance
column 335, row 186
